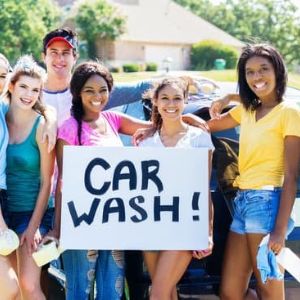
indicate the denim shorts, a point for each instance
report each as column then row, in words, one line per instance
column 3, row 199
column 255, row 211
column 19, row 221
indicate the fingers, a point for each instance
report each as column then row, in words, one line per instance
column 215, row 110
column 199, row 254
column 137, row 138
column 38, row 240
column 214, row 114
column 275, row 247
column 276, row 250
column 200, row 124
column 204, row 126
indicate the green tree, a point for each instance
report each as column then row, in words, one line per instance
column 23, row 25
column 254, row 20
column 98, row 19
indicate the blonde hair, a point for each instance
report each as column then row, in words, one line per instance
column 26, row 66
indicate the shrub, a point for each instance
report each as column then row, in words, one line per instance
column 204, row 54
column 131, row 68
column 115, row 69
column 151, row 67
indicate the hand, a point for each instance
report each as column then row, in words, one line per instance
column 195, row 121
column 217, row 107
column 199, row 254
column 141, row 134
column 31, row 239
column 276, row 242
column 49, row 129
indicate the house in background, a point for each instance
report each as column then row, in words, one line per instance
column 159, row 30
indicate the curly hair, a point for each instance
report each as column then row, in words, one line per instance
column 248, row 97
column 153, row 93
column 80, row 76
column 26, row 66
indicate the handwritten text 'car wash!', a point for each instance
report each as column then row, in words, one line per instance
column 127, row 171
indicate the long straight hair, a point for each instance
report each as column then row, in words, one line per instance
column 248, row 98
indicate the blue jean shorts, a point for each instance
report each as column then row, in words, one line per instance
column 19, row 221
column 3, row 199
column 255, row 211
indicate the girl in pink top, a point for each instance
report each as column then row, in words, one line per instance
column 90, row 86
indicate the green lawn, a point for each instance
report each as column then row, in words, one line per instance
column 294, row 80
column 226, row 75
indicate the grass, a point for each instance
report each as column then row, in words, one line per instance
column 294, row 80
column 222, row 75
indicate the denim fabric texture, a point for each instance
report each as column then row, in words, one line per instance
column 3, row 199
column 255, row 211
column 19, row 221
column 83, row 268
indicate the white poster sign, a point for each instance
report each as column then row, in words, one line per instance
column 134, row 198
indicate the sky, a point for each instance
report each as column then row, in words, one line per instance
column 297, row 2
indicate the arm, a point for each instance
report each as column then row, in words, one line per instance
column 58, row 195
column 225, row 121
column 130, row 125
column 49, row 128
column 31, row 236
column 195, row 121
column 288, row 194
column 219, row 104
column 125, row 93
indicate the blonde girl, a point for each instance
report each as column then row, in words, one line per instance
column 29, row 169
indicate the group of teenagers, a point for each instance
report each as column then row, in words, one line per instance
column 33, row 101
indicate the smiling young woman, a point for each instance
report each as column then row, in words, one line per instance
column 168, row 98
column 269, row 156
column 89, row 125
column 28, row 210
